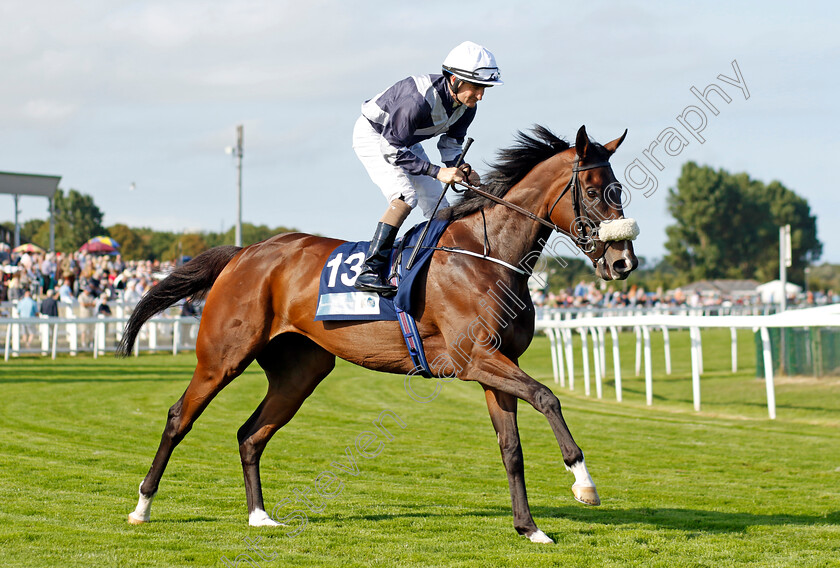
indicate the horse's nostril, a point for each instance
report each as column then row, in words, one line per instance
column 621, row 266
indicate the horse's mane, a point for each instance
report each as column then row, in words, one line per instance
column 512, row 164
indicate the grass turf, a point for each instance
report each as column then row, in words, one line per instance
column 725, row 486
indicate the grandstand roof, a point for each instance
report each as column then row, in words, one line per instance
column 722, row 287
column 28, row 184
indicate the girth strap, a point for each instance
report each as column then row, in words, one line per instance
column 484, row 257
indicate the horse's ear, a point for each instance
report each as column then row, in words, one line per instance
column 611, row 147
column 581, row 143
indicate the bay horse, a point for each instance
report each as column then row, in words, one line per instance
column 261, row 302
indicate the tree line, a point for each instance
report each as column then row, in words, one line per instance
column 77, row 218
column 725, row 226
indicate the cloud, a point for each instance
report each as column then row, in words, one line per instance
column 48, row 111
column 107, row 92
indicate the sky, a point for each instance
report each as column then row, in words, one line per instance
column 112, row 95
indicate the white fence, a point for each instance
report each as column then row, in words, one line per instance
column 726, row 309
column 98, row 335
column 173, row 333
column 560, row 327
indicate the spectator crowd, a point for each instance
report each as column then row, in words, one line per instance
column 81, row 282
column 88, row 284
column 590, row 295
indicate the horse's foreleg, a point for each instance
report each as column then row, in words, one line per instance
column 201, row 390
column 502, row 407
column 548, row 403
column 504, row 375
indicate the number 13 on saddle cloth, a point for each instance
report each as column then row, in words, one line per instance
column 339, row 301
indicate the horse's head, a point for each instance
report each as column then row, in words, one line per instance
column 589, row 208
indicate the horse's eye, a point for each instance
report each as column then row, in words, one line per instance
column 592, row 194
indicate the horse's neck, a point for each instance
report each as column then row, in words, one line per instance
column 511, row 236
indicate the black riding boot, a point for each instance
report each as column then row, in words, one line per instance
column 379, row 253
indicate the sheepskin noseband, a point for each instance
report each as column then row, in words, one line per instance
column 618, row 230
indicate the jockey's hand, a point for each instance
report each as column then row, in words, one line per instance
column 451, row 175
column 472, row 176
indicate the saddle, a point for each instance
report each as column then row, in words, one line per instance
column 339, row 301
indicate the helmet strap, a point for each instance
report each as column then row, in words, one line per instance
column 454, row 84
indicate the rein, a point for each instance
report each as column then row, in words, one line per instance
column 508, row 204
column 573, row 185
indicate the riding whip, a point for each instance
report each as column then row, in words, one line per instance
column 460, row 161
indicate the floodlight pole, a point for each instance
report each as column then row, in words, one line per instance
column 52, row 224
column 17, row 221
column 237, row 152
column 785, row 261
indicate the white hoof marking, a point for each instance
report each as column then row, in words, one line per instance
column 259, row 518
column 143, row 512
column 582, row 477
column 540, row 537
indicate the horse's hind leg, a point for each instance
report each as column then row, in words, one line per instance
column 294, row 366
column 211, row 375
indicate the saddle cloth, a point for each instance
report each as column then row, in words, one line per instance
column 339, row 301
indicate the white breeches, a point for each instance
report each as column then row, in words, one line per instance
column 394, row 182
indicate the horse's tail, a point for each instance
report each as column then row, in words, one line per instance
column 193, row 279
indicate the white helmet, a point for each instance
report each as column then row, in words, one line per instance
column 474, row 64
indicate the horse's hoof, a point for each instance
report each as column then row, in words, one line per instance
column 539, row 537
column 259, row 518
column 142, row 513
column 586, row 495
column 132, row 520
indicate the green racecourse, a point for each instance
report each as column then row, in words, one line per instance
column 723, row 487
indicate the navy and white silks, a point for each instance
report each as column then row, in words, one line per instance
column 387, row 137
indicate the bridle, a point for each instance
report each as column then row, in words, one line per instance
column 582, row 238
column 580, row 209
column 574, row 185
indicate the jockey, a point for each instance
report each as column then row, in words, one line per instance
column 387, row 139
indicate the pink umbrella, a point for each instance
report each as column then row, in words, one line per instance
column 100, row 245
